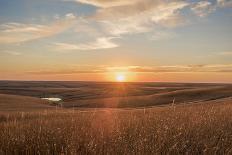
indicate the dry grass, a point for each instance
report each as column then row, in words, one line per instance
column 16, row 103
column 120, row 95
column 195, row 129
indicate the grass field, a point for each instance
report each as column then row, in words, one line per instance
column 195, row 129
column 201, row 125
column 120, row 95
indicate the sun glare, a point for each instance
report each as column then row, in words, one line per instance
column 120, row 78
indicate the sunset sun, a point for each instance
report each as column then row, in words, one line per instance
column 120, row 78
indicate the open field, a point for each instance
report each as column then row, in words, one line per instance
column 155, row 118
column 185, row 129
column 125, row 95
column 16, row 103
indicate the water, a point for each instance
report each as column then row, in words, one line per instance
column 53, row 99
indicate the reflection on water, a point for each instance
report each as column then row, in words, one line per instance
column 52, row 99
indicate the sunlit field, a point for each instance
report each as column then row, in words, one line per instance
column 115, row 77
column 115, row 118
column 185, row 129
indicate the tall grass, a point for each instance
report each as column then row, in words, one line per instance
column 197, row 129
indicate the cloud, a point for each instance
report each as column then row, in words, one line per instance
column 177, row 68
column 224, row 3
column 65, row 72
column 70, row 69
column 162, row 35
column 113, row 18
column 127, row 26
column 70, row 16
column 140, row 16
column 107, row 3
column 19, row 32
column 225, row 53
column 217, row 68
column 100, row 43
column 127, row 17
column 88, row 28
column 12, row 53
column 203, row 8
column 121, row 17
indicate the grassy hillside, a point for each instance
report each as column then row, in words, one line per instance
column 178, row 96
column 87, row 123
column 190, row 129
column 15, row 103
column 122, row 95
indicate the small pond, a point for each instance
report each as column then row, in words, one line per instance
column 53, row 99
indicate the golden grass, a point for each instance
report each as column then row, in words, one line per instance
column 110, row 94
column 17, row 103
column 194, row 129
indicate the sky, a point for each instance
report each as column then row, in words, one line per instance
column 104, row 40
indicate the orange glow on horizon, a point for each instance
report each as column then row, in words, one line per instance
column 111, row 76
column 121, row 76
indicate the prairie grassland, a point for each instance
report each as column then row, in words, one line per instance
column 192, row 129
column 17, row 103
column 109, row 94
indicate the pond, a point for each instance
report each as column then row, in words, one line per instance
column 53, row 99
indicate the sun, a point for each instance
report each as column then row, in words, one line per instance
column 120, row 78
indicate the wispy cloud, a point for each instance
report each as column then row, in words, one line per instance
column 140, row 16
column 121, row 17
column 203, row 8
column 19, row 32
column 70, row 69
column 217, row 68
column 225, row 3
column 162, row 35
column 105, row 3
column 12, row 53
column 229, row 53
column 65, row 72
column 187, row 68
column 113, row 18
column 100, row 43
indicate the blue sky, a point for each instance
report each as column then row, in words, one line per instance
column 151, row 38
